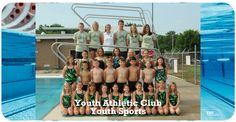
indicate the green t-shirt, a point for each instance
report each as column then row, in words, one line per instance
column 120, row 37
column 80, row 38
column 94, row 37
column 148, row 41
column 134, row 40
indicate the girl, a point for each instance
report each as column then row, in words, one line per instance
column 101, row 58
column 138, row 96
column 161, row 96
column 174, row 99
column 78, row 95
column 134, row 39
column 90, row 96
column 126, row 97
column 150, row 96
column 70, row 72
column 114, row 96
column 65, row 100
column 96, row 38
column 148, row 75
column 145, row 59
column 110, row 75
column 161, row 70
column 116, row 58
column 108, row 40
column 103, row 97
column 149, row 40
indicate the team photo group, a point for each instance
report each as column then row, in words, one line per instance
column 117, row 73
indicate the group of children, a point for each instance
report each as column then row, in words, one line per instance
column 114, row 78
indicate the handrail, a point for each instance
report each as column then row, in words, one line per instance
column 110, row 7
column 103, row 16
column 61, row 56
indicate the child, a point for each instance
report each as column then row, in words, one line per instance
column 101, row 58
column 134, row 74
column 138, row 96
column 116, row 57
column 90, row 96
column 114, row 96
column 70, row 72
column 161, row 71
column 103, row 97
column 126, row 97
column 150, row 96
column 147, row 74
column 122, row 74
column 96, row 38
column 78, row 95
column 131, row 54
column 85, row 75
column 162, row 97
column 84, row 58
column 97, row 75
column 174, row 99
column 145, row 59
column 65, row 100
column 109, row 75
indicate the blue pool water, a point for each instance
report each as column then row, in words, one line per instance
column 48, row 92
column 18, row 75
column 217, row 61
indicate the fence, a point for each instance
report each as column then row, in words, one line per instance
column 185, row 65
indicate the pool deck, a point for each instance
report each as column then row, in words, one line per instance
column 190, row 107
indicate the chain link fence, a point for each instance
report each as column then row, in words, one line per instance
column 185, row 65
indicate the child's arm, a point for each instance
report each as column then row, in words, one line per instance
column 127, row 74
column 117, row 74
column 114, row 74
column 64, row 71
column 61, row 102
column 73, row 99
column 103, row 78
column 77, row 71
column 143, row 75
column 153, row 73
column 91, row 75
column 167, row 100
column 138, row 73
column 178, row 100
column 104, row 74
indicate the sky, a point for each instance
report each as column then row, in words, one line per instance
column 176, row 17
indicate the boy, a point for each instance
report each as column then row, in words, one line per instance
column 85, row 75
column 134, row 74
column 109, row 75
column 122, row 75
column 97, row 74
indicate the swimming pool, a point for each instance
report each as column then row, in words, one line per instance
column 48, row 92
column 217, row 61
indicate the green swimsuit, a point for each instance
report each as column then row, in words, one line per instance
column 70, row 75
column 103, row 99
column 162, row 97
column 150, row 98
column 173, row 99
column 66, row 101
column 125, row 100
column 138, row 99
column 160, row 75
column 116, row 99
column 79, row 97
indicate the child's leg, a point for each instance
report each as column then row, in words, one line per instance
column 177, row 111
column 64, row 111
column 172, row 111
column 160, row 110
column 154, row 111
column 76, row 110
column 73, row 86
column 148, row 110
column 70, row 111
column 88, row 110
column 82, row 111
column 165, row 110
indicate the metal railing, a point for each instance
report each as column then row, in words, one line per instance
column 139, row 10
column 62, row 57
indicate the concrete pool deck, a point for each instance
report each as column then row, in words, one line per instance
column 190, row 107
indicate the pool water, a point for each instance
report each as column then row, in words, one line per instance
column 217, row 61
column 48, row 92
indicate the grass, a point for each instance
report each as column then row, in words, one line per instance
column 188, row 73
